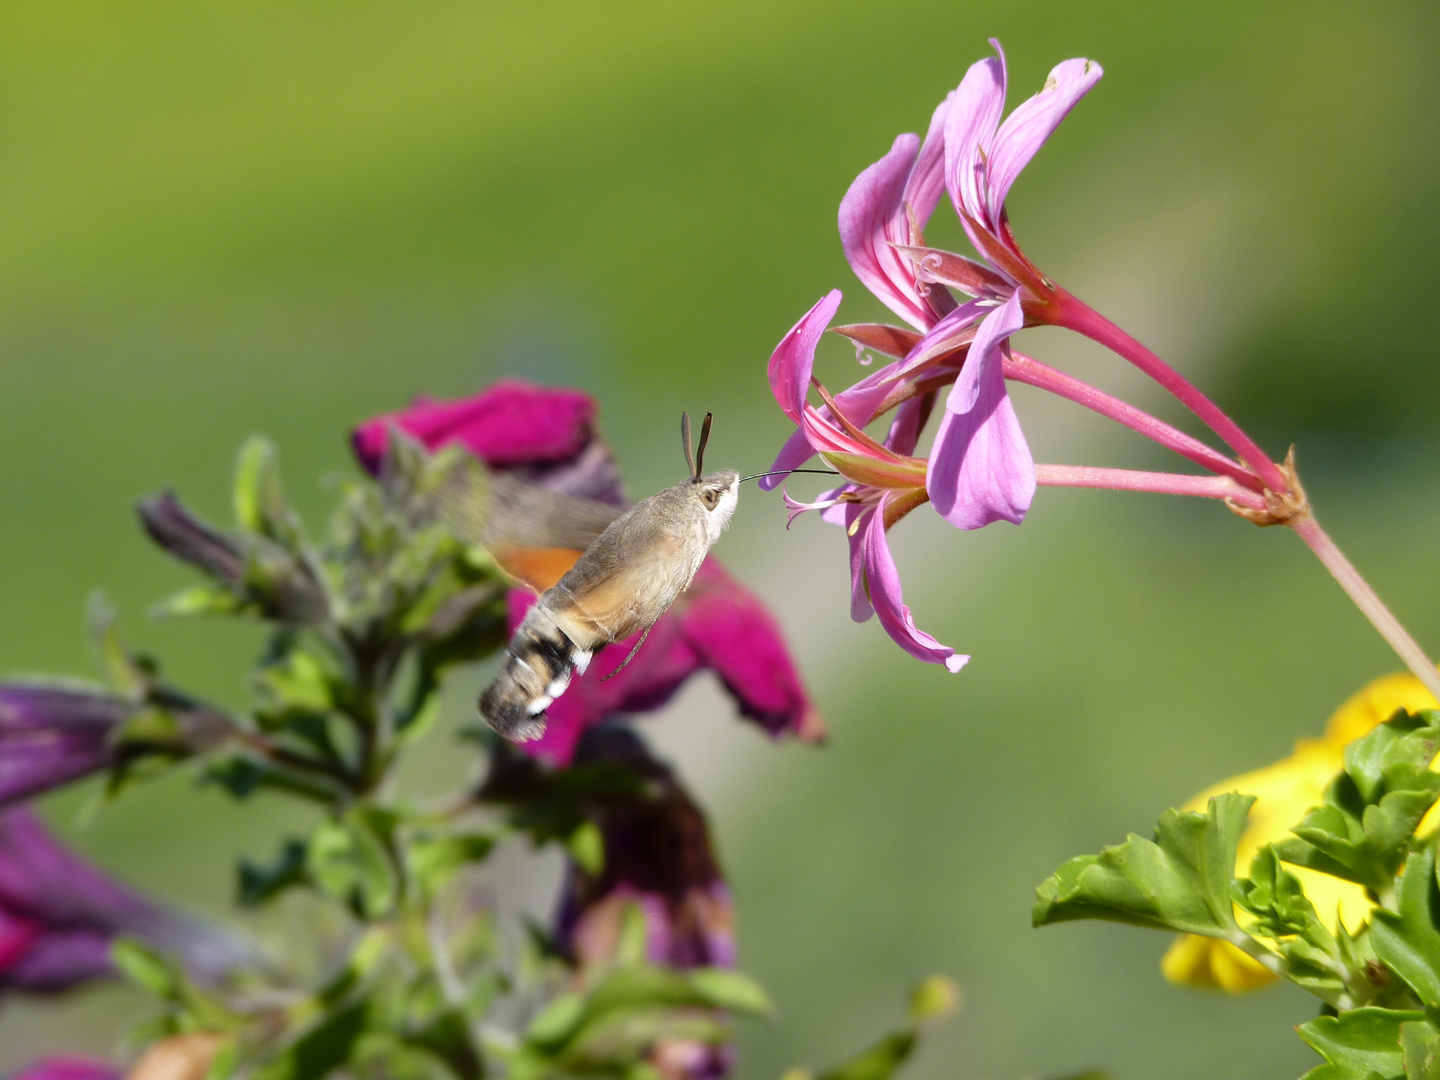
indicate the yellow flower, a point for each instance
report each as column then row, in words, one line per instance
column 1283, row 793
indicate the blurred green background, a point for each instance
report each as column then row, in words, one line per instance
column 223, row 219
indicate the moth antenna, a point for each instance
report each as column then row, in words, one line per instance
column 700, row 448
column 685, row 442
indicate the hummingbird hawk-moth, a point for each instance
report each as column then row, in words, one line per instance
column 635, row 563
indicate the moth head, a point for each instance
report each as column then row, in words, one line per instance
column 716, row 493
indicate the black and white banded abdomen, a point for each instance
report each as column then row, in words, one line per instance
column 539, row 664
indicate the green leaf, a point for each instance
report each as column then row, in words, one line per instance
column 260, row 504
column 434, row 860
column 200, row 600
column 242, row 776
column 1363, row 831
column 1420, row 1050
column 257, row 883
column 877, row 1061
column 130, row 675
column 324, row 1047
column 1359, row 1042
column 1408, row 940
column 447, row 1036
column 586, row 844
column 349, row 863
column 145, row 967
column 557, row 1021
column 726, row 988
column 1180, row 881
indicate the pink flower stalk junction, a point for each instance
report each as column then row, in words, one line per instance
column 955, row 358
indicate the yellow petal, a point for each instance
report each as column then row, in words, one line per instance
column 1213, row 965
column 1376, row 703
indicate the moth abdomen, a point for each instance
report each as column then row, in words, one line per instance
column 538, row 667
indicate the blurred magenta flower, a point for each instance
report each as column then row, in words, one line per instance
column 717, row 625
column 657, row 856
column 58, row 915
column 882, row 486
column 51, row 734
column 70, row 1067
column 542, row 434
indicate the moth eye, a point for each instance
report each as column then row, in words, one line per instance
column 711, row 498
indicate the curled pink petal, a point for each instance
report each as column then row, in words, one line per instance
column 873, row 217
column 794, row 358
column 883, row 580
column 970, row 124
column 1026, row 129
column 996, row 327
column 927, row 179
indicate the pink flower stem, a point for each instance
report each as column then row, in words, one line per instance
column 1065, row 310
column 1025, row 369
column 1163, row 483
column 1374, row 609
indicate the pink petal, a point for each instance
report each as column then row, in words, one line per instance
column 872, row 218
column 884, row 584
column 909, row 421
column 794, row 358
column 511, row 423
column 927, row 178
column 980, row 468
column 69, row 1067
column 860, row 606
column 1026, row 129
column 970, row 124
column 996, row 327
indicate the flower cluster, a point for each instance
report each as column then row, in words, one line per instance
column 962, row 313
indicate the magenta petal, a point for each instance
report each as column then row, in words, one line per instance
column 980, row 468
column 1026, row 129
column 884, row 582
column 872, row 219
column 511, row 423
column 909, row 419
column 70, row 1067
column 738, row 639
column 794, row 358
column 970, row 124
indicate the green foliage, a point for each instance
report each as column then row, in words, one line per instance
column 937, row 996
column 1381, row 984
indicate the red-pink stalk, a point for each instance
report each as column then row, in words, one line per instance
column 1063, row 309
column 1163, row 483
column 1359, row 590
column 1025, row 369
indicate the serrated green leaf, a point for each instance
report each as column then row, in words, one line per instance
column 1420, row 1050
column 726, row 988
column 1179, row 881
column 1408, row 940
column 434, row 860
column 1360, row 1042
column 1363, row 831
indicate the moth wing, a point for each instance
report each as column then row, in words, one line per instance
column 606, row 599
column 535, row 535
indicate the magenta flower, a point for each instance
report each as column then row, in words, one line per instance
column 717, row 625
column 70, row 1067
column 657, row 856
column 882, row 485
column 52, row 734
column 58, row 915
column 541, row 434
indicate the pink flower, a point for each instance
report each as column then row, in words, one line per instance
column 881, row 486
column 70, row 1067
